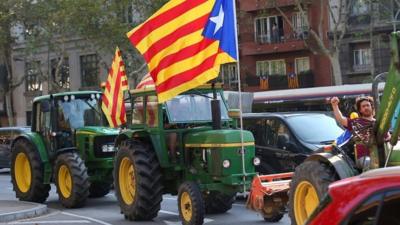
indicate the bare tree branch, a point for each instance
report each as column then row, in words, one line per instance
column 321, row 19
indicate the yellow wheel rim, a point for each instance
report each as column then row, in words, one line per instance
column 186, row 207
column 127, row 181
column 305, row 201
column 65, row 181
column 23, row 174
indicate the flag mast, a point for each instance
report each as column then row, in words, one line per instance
column 240, row 93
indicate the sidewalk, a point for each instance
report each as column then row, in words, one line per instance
column 16, row 210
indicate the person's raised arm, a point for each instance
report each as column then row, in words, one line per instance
column 336, row 111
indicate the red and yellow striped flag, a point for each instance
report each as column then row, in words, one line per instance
column 185, row 42
column 113, row 98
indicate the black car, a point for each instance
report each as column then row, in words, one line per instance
column 7, row 135
column 284, row 140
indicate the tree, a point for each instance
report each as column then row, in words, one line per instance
column 101, row 24
column 317, row 40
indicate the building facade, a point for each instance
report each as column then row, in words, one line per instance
column 80, row 70
column 273, row 54
column 365, row 49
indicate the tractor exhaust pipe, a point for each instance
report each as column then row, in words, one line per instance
column 215, row 110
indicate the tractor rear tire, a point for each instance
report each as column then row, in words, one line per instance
column 72, row 180
column 274, row 218
column 308, row 186
column 190, row 204
column 137, row 181
column 216, row 202
column 27, row 173
column 99, row 189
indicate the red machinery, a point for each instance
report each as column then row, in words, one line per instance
column 269, row 195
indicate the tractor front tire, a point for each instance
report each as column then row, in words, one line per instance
column 190, row 204
column 308, row 186
column 72, row 180
column 216, row 202
column 137, row 181
column 27, row 173
column 99, row 189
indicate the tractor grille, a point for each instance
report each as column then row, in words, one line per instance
column 99, row 141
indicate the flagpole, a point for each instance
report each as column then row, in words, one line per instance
column 240, row 95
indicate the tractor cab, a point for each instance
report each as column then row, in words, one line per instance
column 59, row 117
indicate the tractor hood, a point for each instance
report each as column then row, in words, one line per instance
column 218, row 138
column 103, row 131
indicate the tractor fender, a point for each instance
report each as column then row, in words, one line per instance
column 37, row 142
column 131, row 134
column 341, row 167
column 64, row 150
column 144, row 136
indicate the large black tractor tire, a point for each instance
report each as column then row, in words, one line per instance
column 190, row 204
column 274, row 218
column 72, row 180
column 216, row 202
column 137, row 181
column 27, row 173
column 308, row 186
column 99, row 189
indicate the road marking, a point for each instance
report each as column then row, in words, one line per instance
column 52, row 222
column 169, row 213
column 242, row 205
column 206, row 220
column 88, row 218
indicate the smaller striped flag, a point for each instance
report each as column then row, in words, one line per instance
column 264, row 82
column 293, row 80
column 113, row 98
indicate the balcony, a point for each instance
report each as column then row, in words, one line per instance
column 254, row 5
column 364, row 68
column 280, row 82
column 265, row 44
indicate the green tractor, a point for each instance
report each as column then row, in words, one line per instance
column 181, row 148
column 68, row 144
column 311, row 179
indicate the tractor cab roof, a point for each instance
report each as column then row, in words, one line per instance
column 150, row 89
column 62, row 94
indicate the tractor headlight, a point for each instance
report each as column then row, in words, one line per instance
column 256, row 161
column 108, row 148
column 226, row 163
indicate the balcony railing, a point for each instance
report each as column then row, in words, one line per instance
column 362, row 68
column 280, row 82
column 300, row 34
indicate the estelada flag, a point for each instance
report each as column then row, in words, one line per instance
column 113, row 98
column 185, row 42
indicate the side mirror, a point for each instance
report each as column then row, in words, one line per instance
column 45, row 106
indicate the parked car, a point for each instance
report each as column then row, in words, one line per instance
column 370, row 198
column 8, row 134
column 283, row 140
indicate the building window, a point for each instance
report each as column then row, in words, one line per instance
column 62, row 78
column 271, row 68
column 300, row 24
column 302, row 65
column 228, row 75
column 268, row 29
column 362, row 59
column 32, row 72
column 359, row 7
column 90, row 70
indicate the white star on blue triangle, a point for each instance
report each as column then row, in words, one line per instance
column 221, row 26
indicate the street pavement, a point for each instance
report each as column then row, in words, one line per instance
column 106, row 211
